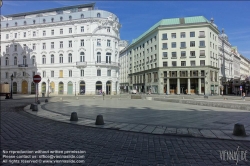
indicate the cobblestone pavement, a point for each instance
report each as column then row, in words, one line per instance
column 22, row 131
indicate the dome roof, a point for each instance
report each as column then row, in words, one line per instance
column 223, row 35
column 212, row 22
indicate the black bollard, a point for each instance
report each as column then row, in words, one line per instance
column 46, row 100
column 239, row 130
column 73, row 116
column 31, row 106
column 99, row 120
column 38, row 102
column 35, row 107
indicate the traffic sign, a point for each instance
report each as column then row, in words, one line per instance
column 37, row 78
column 240, row 87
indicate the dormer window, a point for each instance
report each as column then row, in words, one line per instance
column 15, row 23
column 82, row 16
column 98, row 15
column 52, row 19
column 24, row 22
column 34, row 21
column 61, row 18
column 44, row 21
column 70, row 17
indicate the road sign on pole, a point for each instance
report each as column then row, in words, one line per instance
column 240, row 87
column 36, row 78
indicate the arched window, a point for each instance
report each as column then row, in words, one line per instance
column 24, row 60
column 44, row 21
column 70, row 58
column 6, row 61
column 15, row 60
column 61, row 18
column 82, row 15
column 33, row 60
column 108, row 57
column 24, row 22
column 82, row 57
column 34, row 21
column 60, row 58
column 98, row 59
column 52, row 19
column 44, row 59
column 98, row 15
column 15, row 23
column 52, row 58
column 70, row 17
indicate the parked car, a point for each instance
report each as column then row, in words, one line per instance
column 133, row 91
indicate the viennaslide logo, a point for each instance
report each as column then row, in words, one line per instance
column 236, row 155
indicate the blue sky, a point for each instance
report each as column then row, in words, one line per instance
column 138, row 16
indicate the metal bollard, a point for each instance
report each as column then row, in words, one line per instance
column 35, row 107
column 99, row 120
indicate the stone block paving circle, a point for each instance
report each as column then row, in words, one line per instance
column 155, row 116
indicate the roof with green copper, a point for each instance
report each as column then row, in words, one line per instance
column 174, row 21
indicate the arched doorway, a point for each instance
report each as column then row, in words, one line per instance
column 44, row 87
column 98, row 88
column 108, row 87
column 14, row 88
column 60, row 88
column 82, row 88
column 52, row 87
column 24, row 87
column 70, row 88
column 33, row 88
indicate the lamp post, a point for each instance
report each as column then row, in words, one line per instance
column 48, row 89
column 11, row 77
column 75, row 88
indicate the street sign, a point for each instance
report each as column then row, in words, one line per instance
column 37, row 78
column 240, row 87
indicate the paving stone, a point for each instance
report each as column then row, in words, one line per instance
column 182, row 131
column 128, row 127
column 170, row 131
column 138, row 128
column 220, row 134
column 207, row 133
column 194, row 132
column 159, row 130
column 148, row 129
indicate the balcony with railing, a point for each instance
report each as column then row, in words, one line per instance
column 23, row 65
column 104, row 63
column 81, row 64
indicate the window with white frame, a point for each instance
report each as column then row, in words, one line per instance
column 52, row 32
column 165, row 36
column 183, row 63
column 7, row 36
column 70, row 30
column 6, row 75
column 183, row 44
column 98, row 57
column 108, row 29
column 61, row 31
column 174, row 63
column 52, row 58
column 24, row 60
column 82, row 73
column 70, row 73
column 202, row 62
column 82, row 42
column 70, row 58
column 98, row 15
column 202, row 52
column 52, row 73
column 34, row 33
column 192, row 63
column 15, row 47
column 15, row 60
column 98, row 72
column 52, row 45
column 7, row 48
column 33, row 60
column 173, row 54
column 34, row 47
column 44, row 73
column 108, row 43
column 192, row 53
column 192, row 34
column 183, row 34
column 24, row 34
column 173, row 44
column 6, row 61
column 202, row 34
column 15, row 35
column 98, row 42
column 70, row 43
column 82, row 57
column 173, row 35
column 108, row 72
column 202, row 43
column 164, row 46
column 44, row 46
column 183, row 53
column 61, row 44
column 165, row 54
column 44, row 33
column 44, row 59
column 165, row 64
column 60, row 58
column 108, row 57
column 82, row 28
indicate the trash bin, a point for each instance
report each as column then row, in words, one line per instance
column 43, row 95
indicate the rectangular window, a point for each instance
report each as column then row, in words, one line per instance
column 33, row 73
column 108, row 43
column 192, row 43
column 70, row 30
column 183, row 63
column 82, row 43
column 192, row 63
column 7, row 36
column 44, row 33
column 34, row 33
column 164, row 36
column 82, row 29
column 52, row 73
column 165, row 54
column 52, row 32
column 173, row 54
column 173, row 44
column 60, row 73
column 82, row 73
column 24, row 34
column 108, row 72
column 108, row 29
column 44, row 46
column 192, row 34
column 7, row 48
column 183, row 53
column 61, row 31
column 34, row 46
column 165, row 64
column 183, row 34
column 202, row 34
column 164, row 46
column 173, row 35
column 70, row 73
column 6, row 75
column 183, row 44
column 70, row 43
column 52, row 45
column 202, row 52
column 173, row 63
column 202, row 62
column 15, row 47
column 61, row 44
column 98, row 42
column 15, row 35
column 98, row 72
column 192, row 53
column 202, row 43
column 44, row 73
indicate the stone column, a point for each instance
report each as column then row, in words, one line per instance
column 199, row 85
column 168, row 86
column 188, row 92
column 178, row 86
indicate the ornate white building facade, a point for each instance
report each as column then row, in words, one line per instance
column 75, row 50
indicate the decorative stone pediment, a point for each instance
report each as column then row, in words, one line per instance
column 70, row 51
column 14, row 54
column 33, row 53
column 52, row 52
column 61, row 51
column 44, row 52
column 81, row 50
column 108, row 50
column 98, row 49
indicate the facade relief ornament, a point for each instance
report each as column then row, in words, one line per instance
column 70, row 51
column 60, row 51
column 98, row 49
column 52, row 52
column 108, row 50
column 82, row 49
column 44, row 52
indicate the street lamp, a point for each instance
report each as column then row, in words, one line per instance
column 48, row 89
column 75, row 88
column 11, row 77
